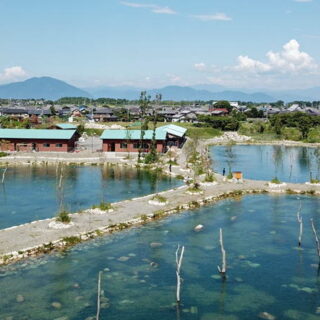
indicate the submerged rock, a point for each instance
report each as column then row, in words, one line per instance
column 56, row 305
column 198, row 228
column 155, row 244
column 20, row 298
column 123, row 259
column 266, row 315
column 62, row 318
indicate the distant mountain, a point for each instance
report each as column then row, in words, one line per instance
column 121, row 92
column 53, row 89
column 178, row 93
column 43, row 87
column 187, row 93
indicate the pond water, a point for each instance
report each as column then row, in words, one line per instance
column 33, row 193
column 262, row 162
column 266, row 270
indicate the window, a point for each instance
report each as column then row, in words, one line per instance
column 46, row 145
column 145, row 145
column 59, row 145
column 136, row 145
column 123, row 145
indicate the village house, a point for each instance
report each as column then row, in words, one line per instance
column 129, row 140
column 37, row 140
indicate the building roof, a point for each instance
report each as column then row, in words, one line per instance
column 132, row 135
column 36, row 134
column 66, row 126
column 174, row 130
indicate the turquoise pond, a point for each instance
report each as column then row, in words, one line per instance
column 32, row 193
column 266, row 270
column 261, row 162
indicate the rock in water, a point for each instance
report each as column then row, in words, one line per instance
column 56, row 305
column 198, row 228
column 155, row 244
column 267, row 316
column 20, row 298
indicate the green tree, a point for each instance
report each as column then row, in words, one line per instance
column 144, row 103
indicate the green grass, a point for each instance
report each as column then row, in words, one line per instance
column 104, row 206
column 3, row 154
column 93, row 132
column 314, row 181
column 63, row 216
column 275, row 180
column 159, row 198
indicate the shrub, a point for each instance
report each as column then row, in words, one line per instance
column 230, row 175
column 63, row 216
column 104, row 206
column 314, row 135
column 275, row 180
column 291, row 134
column 70, row 241
column 159, row 198
column 314, row 180
column 210, row 177
column 3, row 154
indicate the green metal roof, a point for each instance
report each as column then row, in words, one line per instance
column 132, row 135
column 174, row 130
column 66, row 126
column 36, row 134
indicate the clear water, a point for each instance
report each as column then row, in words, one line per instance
column 289, row 164
column 32, row 193
column 266, row 270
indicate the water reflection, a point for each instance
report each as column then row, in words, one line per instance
column 290, row 164
column 31, row 193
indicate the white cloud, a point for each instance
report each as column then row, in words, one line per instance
column 290, row 59
column 211, row 17
column 200, row 66
column 248, row 64
column 153, row 7
column 12, row 74
column 302, row 0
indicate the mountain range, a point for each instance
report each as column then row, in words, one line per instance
column 53, row 89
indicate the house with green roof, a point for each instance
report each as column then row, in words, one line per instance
column 129, row 140
column 46, row 140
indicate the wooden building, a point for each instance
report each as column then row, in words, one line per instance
column 129, row 140
column 28, row 140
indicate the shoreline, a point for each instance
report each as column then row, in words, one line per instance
column 37, row 238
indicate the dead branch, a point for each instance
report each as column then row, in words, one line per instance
column 179, row 257
column 223, row 268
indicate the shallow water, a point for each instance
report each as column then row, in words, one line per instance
column 33, row 193
column 266, row 270
column 262, row 162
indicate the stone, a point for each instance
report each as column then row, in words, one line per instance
column 56, row 305
column 62, row 318
column 233, row 218
column 153, row 264
column 318, row 310
column 123, row 259
column 20, row 298
column 266, row 315
column 198, row 228
column 76, row 285
column 155, row 244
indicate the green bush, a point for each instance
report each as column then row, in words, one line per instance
column 63, row 216
column 291, row 134
column 275, row 180
column 3, row 154
column 159, row 198
column 314, row 135
column 104, row 206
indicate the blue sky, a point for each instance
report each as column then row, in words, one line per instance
column 251, row 44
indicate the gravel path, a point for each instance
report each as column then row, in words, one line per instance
column 37, row 233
